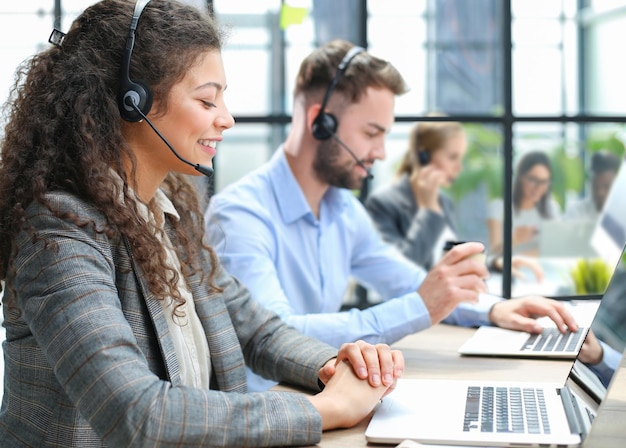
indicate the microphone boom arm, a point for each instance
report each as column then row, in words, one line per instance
column 206, row 170
column 356, row 159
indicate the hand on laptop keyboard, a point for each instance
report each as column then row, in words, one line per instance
column 521, row 313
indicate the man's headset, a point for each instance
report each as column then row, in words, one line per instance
column 325, row 124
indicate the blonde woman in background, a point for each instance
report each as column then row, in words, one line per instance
column 413, row 213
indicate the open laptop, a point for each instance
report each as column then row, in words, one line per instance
column 490, row 413
column 569, row 238
column 551, row 343
column 481, row 413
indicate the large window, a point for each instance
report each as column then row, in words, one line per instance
column 522, row 75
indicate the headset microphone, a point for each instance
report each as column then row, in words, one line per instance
column 358, row 161
column 206, row 170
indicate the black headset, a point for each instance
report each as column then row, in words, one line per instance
column 325, row 124
column 423, row 157
column 133, row 93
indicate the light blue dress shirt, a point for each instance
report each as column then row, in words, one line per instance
column 265, row 233
column 608, row 365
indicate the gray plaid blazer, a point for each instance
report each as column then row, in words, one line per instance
column 89, row 361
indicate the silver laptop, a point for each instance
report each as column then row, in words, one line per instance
column 567, row 238
column 551, row 343
column 484, row 414
column 490, row 413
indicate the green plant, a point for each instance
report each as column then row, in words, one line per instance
column 590, row 276
column 482, row 164
column 568, row 173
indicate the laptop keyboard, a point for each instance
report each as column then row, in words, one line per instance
column 506, row 409
column 552, row 340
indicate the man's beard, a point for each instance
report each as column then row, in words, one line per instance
column 326, row 166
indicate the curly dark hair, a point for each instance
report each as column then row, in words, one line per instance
column 64, row 130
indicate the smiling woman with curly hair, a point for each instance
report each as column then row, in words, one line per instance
column 122, row 328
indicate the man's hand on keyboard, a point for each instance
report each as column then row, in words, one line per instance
column 521, row 314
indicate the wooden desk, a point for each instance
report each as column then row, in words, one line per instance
column 433, row 354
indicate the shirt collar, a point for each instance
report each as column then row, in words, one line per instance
column 290, row 198
column 163, row 202
column 160, row 200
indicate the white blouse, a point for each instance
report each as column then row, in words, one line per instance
column 190, row 342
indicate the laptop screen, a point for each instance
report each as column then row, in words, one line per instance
column 607, row 328
column 610, row 234
column 608, row 324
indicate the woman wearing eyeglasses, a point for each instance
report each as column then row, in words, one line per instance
column 532, row 203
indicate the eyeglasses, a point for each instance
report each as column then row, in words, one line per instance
column 537, row 182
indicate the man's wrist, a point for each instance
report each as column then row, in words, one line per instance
column 490, row 313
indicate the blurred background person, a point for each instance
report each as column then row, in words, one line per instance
column 604, row 167
column 532, row 203
column 413, row 213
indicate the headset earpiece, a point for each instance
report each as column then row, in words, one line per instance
column 423, row 157
column 137, row 94
column 325, row 124
column 131, row 93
